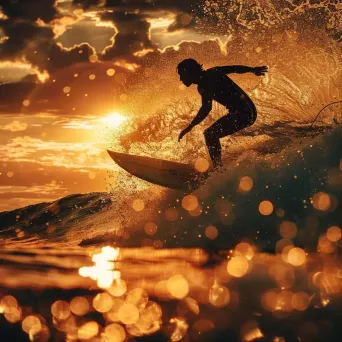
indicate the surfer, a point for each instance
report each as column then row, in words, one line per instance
column 214, row 84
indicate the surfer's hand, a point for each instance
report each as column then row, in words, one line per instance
column 260, row 71
column 181, row 134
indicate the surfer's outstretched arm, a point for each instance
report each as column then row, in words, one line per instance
column 242, row 69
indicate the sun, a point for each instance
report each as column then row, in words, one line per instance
column 113, row 119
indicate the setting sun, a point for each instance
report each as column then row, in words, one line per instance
column 113, row 119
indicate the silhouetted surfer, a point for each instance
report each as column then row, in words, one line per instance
column 214, row 84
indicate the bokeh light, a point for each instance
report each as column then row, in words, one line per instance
column 79, row 306
column 114, row 333
column 190, row 202
column 211, row 232
column 171, row 214
column 321, row 201
column 128, row 313
column 265, row 208
column 150, row 228
column 110, row 72
column 245, row 184
column 219, row 296
column 31, row 325
column 296, row 256
column 334, row 234
column 102, row 302
column 288, row 229
column 88, row 330
column 238, row 266
column 325, row 245
column 118, row 288
column 179, row 328
column 60, row 309
column 178, row 286
column 93, row 58
column 245, row 249
column 202, row 165
column 138, row 205
column 300, row 301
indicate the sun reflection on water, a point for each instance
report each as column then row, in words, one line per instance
column 103, row 271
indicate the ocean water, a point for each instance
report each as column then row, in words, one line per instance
column 252, row 254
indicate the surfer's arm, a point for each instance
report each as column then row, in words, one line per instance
column 242, row 69
column 201, row 115
column 207, row 104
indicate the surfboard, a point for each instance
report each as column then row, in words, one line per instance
column 166, row 173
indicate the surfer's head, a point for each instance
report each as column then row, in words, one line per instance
column 189, row 71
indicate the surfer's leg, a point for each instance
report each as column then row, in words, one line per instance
column 214, row 146
column 227, row 125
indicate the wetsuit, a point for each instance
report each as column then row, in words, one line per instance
column 216, row 85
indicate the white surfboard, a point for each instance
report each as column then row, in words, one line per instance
column 166, row 173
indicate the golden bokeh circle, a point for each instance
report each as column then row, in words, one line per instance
column 219, row 296
column 245, row 184
column 296, row 256
column 211, row 232
column 190, row 202
column 79, row 306
column 266, row 208
column 238, row 266
column 178, row 286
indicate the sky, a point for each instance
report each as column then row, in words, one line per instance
column 75, row 75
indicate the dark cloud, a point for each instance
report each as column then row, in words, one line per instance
column 13, row 94
column 155, row 5
column 182, row 21
column 86, row 3
column 86, row 96
column 86, row 31
column 30, row 9
column 36, row 44
column 28, row 40
column 24, row 38
column 132, row 36
column 236, row 16
column 105, row 91
column 60, row 57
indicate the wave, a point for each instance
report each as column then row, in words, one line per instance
column 271, row 179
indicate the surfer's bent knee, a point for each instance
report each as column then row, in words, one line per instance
column 208, row 134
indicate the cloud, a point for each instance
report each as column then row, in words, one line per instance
column 35, row 191
column 31, row 183
column 87, row 96
column 132, row 21
column 31, row 10
column 14, row 126
column 30, row 38
column 182, row 21
column 87, row 30
column 50, row 153
column 13, row 94
column 143, row 5
column 29, row 25
column 132, row 34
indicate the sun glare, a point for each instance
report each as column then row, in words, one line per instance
column 113, row 119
